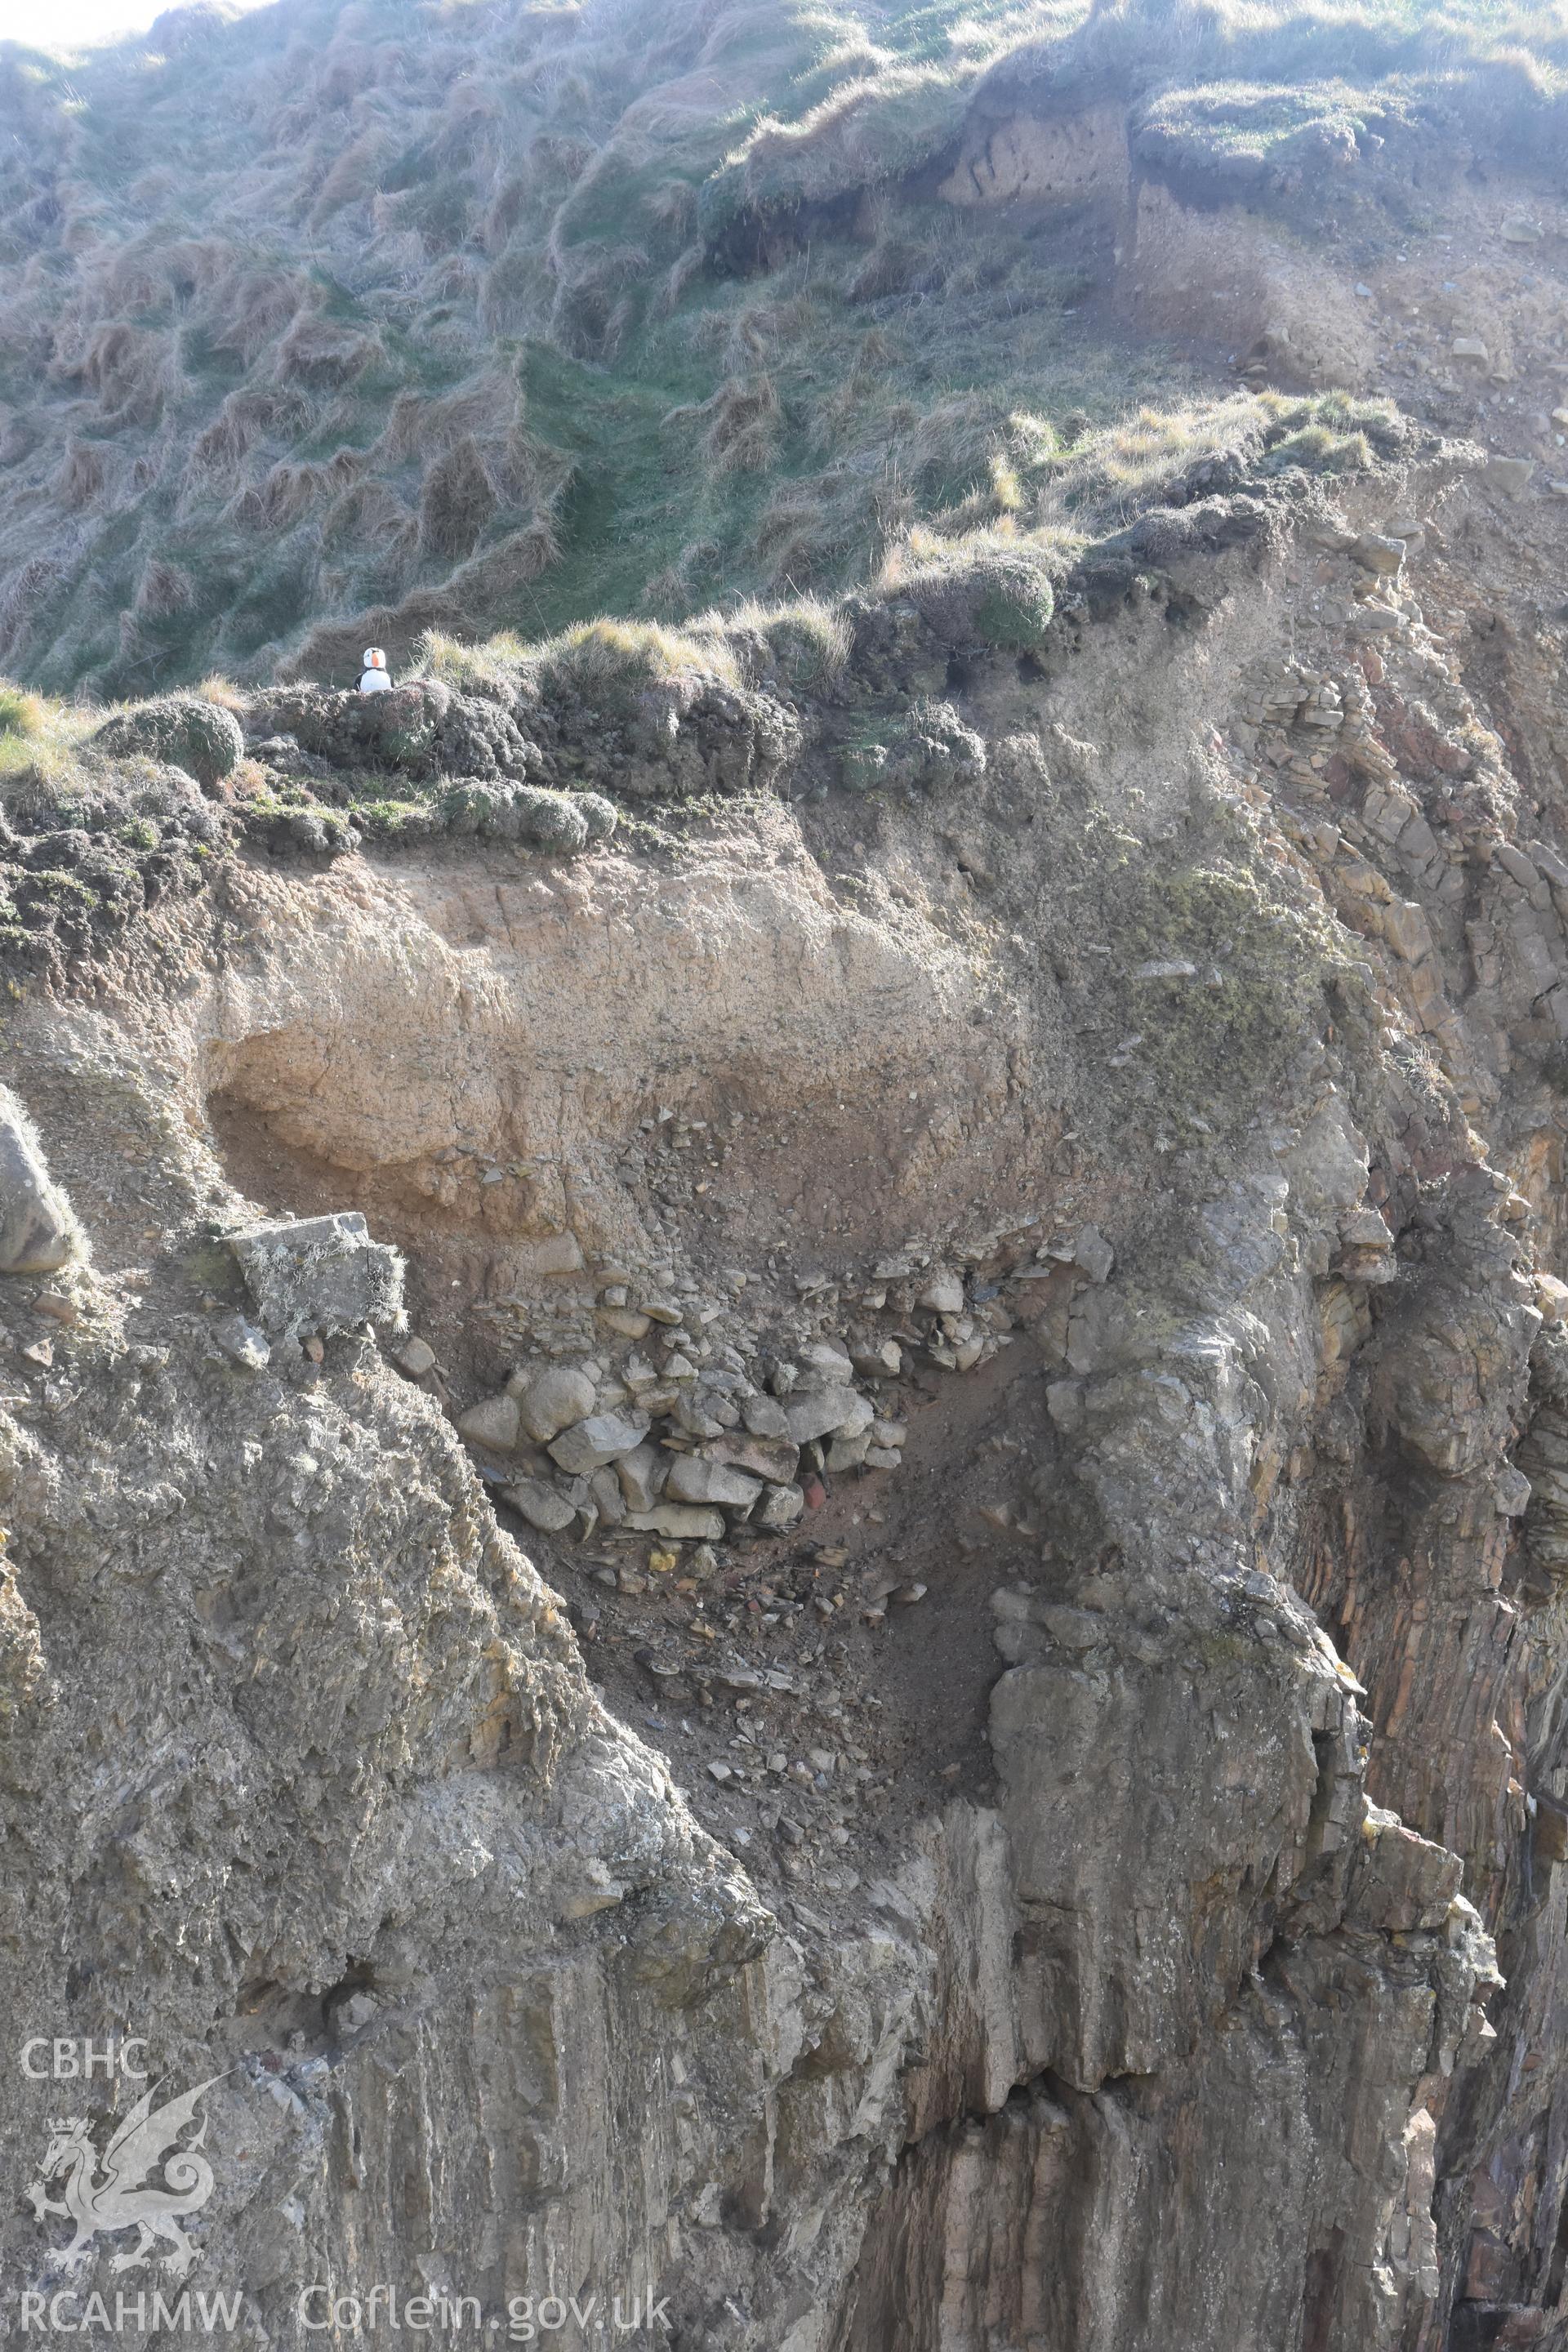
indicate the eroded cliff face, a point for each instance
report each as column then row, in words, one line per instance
column 918, row 1703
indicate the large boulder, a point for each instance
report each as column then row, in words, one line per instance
column 319, row 1274
column 38, row 1232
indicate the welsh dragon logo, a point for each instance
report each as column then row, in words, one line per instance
column 125, row 2193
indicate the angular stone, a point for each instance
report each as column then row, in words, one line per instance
column 604, row 1487
column 1511, row 476
column 1094, row 1254
column 692, row 1416
column 627, row 1322
column 1515, row 863
column 553, row 1254
column 1387, row 810
column 38, row 1231
column 1404, row 1882
column 602, row 1437
column 544, row 1508
column 551, row 1400
column 1404, row 929
column 779, row 1508
column 692, row 1480
column 315, row 1275
column 682, row 1522
column 943, row 1294
column 820, row 1412
column 1065, row 1402
column 1375, row 620
column 848, row 1453
column 1512, row 1492
column 492, row 1422
column 416, row 1357
column 823, row 1366
column 1549, row 1841
column 241, row 1342
column 642, row 1474
column 1552, row 1297
column 1418, row 844
column 764, row 1416
column 1375, row 553
column 766, row 1457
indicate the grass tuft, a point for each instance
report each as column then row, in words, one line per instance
column 21, row 713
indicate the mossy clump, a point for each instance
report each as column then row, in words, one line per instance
column 548, row 821
column 929, row 749
column 181, row 730
column 395, row 821
column 599, row 815
column 559, row 824
column 299, row 828
column 863, row 764
column 1200, row 975
column 1229, row 1024
column 1259, row 137
column 490, row 670
column 991, row 596
column 422, row 729
column 76, row 869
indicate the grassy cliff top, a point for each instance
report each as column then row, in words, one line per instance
column 332, row 322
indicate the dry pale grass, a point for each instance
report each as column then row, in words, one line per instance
column 600, row 661
column 23, row 714
column 809, row 636
column 739, row 421
column 457, row 500
column 40, row 749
